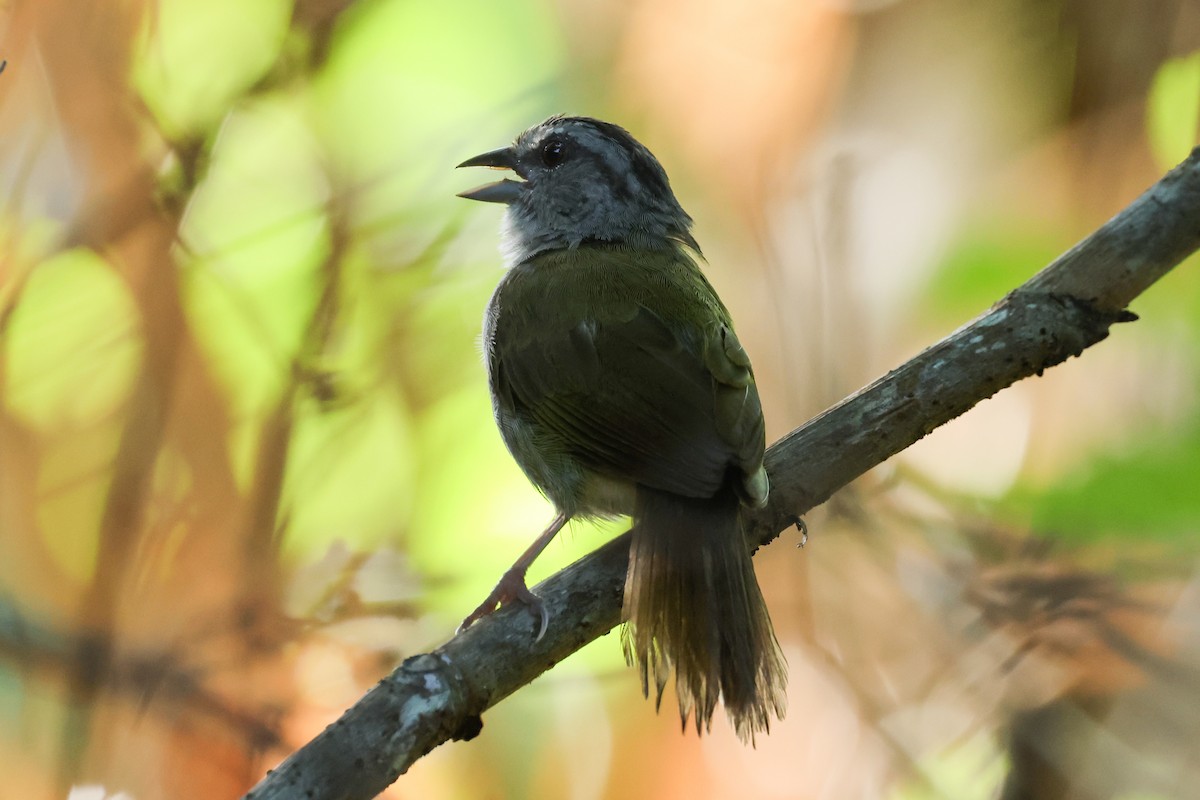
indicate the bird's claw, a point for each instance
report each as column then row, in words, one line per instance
column 802, row 528
column 511, row 588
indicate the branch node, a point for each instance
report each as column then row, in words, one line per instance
column 469, row 729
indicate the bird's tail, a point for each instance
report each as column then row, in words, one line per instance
column 692, row 603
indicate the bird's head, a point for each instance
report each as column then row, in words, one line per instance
column 583, row 181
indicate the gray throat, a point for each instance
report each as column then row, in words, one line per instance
column 521, row 241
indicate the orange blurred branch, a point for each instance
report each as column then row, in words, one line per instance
column 52, row 655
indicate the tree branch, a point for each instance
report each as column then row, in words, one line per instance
column 1062, row 310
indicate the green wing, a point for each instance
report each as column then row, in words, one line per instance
column 625, row 362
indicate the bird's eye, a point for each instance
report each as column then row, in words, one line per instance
column 553, row 152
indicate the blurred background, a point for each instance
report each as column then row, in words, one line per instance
column 247, row 461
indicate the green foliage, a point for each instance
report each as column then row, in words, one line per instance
column 972, row 768
column 198, row 58
column 76, row 325
column 986, row 263
column 399, row 103
column 1173, row 110
column 365, row 140
column 256, row 235
column 358, row 455
column 1150, row 491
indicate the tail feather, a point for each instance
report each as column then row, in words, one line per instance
column 692, row 604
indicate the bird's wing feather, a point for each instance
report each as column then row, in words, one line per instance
column 620, row 372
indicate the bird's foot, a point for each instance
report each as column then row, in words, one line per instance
column 802, row 528
column 511, row 588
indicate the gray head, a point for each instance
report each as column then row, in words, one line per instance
column 584, row 181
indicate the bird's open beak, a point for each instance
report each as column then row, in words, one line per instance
column 503, row 191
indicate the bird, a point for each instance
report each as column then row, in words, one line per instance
column 620, row 388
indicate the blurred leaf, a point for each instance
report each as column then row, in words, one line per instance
column 1153, row 491
column 986, row 264
column 349, row 475
column 198, row 56
column 256, row 229
column 1173, row 110
column 72, row 348
column 401, row 101
column 970, row 769
column 472, row 497
column 444, row 321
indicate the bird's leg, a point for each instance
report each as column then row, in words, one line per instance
column 511, row 586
